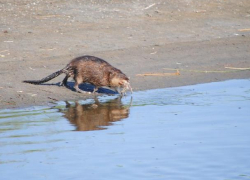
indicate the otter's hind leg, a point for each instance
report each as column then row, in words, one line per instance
column 78, row 81
column 64, row 82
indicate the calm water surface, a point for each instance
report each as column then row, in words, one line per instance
column 199, row 132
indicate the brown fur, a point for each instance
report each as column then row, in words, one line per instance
column 93, row 70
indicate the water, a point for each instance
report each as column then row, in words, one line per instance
column 193, row 132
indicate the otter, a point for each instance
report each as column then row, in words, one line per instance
column 92, row 70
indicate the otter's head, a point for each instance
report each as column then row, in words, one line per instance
column 120, row 80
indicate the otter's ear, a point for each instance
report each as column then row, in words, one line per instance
column 112, row 74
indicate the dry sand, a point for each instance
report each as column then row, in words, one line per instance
column 200, row 38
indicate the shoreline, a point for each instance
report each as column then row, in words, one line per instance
column 17, row 94
column 197, row 38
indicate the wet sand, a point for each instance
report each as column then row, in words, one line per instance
column 198, row 38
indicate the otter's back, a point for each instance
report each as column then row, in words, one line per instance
column 93, row 70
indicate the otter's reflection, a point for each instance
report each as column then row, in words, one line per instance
column 94, row 116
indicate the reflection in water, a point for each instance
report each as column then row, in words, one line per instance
column 87, row 117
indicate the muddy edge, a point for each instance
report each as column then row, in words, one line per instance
column 199, row 38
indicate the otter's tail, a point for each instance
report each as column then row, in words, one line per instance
column 48, row 78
